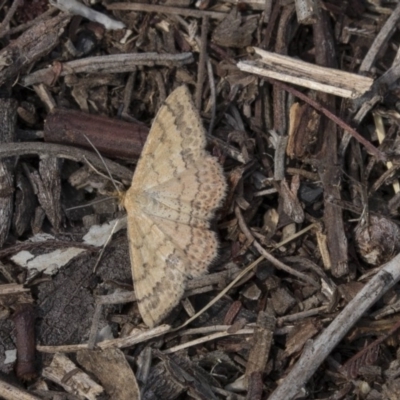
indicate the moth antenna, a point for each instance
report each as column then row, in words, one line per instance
column 90, row 165
column 96, row 170
column 105, row 165
column 90, row 203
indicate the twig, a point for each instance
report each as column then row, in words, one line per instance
column 370, row 147
column 11, row 288
column 238, row 278
column 316, row 351
column 297, row 72
column 116, row 63
column 380, row 40
column 275, row 262
column 23, row 27
column 9, row 16
column 207, row 339
column 213, row 96
column 202, row 62
column 301, row 315
column 58, row 150
column 209, row 329
column 120, row 342
column 222, row 293
column 10, row 392
column 381, row 180
column 187, row 12
column 24, row 323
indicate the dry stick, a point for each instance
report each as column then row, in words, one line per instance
column 222, row 293
column 243, row 273
column 24, row 27
column 62, row 151
column 115, row 63
column 202, row 62
column 128, row 90
column 380, row 40
column 212, row 97
column 10, row 392
column 128, row 341
column 188, row 12
column 11, row 288
column 369, row 146
column 9, row 15
column 316, row 351
column 229, row 149
column 296, row 235
column 208, row 338
column 276, row 263
column 301, row 315
column 381, row 180
column 367, row 102
column 209, row 329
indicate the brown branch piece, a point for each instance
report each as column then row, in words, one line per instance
column 24, row 322
column 336, row 254
column 111, row 137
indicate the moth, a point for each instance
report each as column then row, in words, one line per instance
column 175, row 191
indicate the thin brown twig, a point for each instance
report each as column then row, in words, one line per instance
column 9, row 15
column 202, row 61
column 368, row 145
column 213, row 97
column 275, row 262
